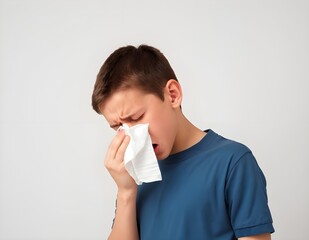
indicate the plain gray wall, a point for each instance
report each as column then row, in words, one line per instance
column 244, row 69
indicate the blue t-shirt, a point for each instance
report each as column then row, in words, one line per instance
column 214, row 190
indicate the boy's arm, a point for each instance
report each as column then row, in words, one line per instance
column 257, row 237
column 125, row 225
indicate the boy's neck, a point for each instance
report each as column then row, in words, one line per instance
column 187, row 135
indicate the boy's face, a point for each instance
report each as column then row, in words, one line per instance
column 133, row 106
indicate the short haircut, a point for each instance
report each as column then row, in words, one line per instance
column 143, row 67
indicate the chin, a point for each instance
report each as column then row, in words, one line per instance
column 162, row 156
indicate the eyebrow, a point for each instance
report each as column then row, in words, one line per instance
column 127, row 118
column 115, row 125
column 122, row 119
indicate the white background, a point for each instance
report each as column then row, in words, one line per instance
column 244, row 69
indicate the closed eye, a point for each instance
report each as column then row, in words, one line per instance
column 128, row 119
column 115, row 127
column 137, row 119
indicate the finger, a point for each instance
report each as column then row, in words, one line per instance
column 115, row 144
column 122, row 149
column 117, row 163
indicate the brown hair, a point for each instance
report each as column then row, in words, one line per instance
column 144, row 67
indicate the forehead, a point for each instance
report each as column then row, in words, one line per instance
column 125, row 102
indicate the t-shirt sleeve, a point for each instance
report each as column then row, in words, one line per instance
column 246, row 198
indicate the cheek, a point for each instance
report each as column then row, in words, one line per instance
column 162, row 128
column 162, row 124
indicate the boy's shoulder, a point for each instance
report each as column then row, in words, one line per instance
column 225, row 144
column 212, row 149
column 225, row 148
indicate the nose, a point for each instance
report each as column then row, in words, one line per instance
column 130, row 124
column 133, row 123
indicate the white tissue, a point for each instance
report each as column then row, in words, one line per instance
column 139, row 158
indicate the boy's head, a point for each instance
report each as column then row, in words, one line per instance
column 138, row 85
column 144, row 68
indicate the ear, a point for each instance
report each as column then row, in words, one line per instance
column 173, row 93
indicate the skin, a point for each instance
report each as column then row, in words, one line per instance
column 168, row 128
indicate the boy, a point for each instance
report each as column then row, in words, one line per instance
column 211, row 188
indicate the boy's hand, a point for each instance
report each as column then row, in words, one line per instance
column 125, row 225
column 115, row 164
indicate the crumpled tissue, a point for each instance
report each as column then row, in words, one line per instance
column 139, row 158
